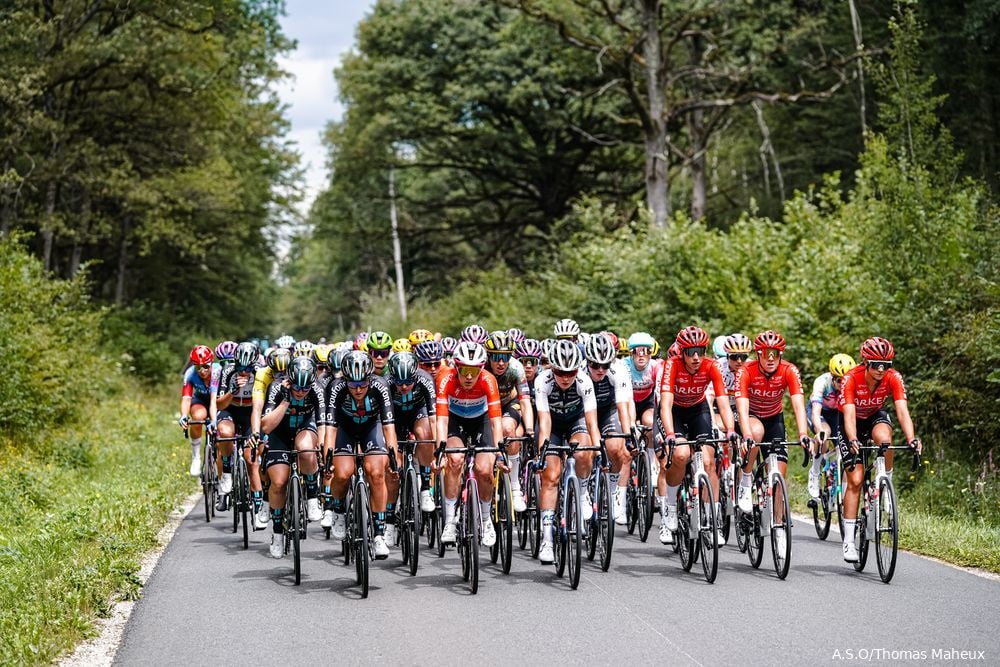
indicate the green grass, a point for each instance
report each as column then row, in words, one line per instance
column 950, row 512
column 78, row 508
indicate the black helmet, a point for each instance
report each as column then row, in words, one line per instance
column 301, row 372
column 403, row 368
column 357, row 366
column 246, row 355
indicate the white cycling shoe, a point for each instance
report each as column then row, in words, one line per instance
column 313, row 510
column 226, row 483
column 449, row 534
column 545, row 554
column 327, row 520
column 586, row 505
column 489, row 534
column 671, row 519
column 277, row 545
column 850, row 552
column 339, row 528
column 744, row 499
column 381, row 548
column 195, row 466
column 426, row 501
column 391, row 535
column 813, row 484
column 518, row 502
column 262, row 516
column 621, row 513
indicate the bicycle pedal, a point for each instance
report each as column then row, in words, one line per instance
column 811, row 504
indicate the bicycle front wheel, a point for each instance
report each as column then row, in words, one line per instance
column 471, row 537
column 781, row 527
column 631, row 504
column 821, row 513
column 574, row 532
column 644, row 497
column 685, row 546
column 708, row 542
column 361, row 536
column 887, row 530
column 504, row 514
column 606, row 522
column 755, row 538
column 208, row 483
column 592, row 528
column 292, row 508
column 411, row 520
column 535, row 517
column 243, row 498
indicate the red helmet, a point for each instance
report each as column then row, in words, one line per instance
column 877, row 348
column 769, row 340
column 202, row 354
column 613, row 336
column 674, row 351
column 692, row 337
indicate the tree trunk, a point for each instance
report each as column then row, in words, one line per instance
column 859, row 46
column 81, row 235
column 697, row 132
column 657, row 186
column 6, row 203
column 47, row 224
column 397, row 257
column 123, row 259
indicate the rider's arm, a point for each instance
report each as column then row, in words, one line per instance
column 848, row 409
column 799, row 408
column 277, row 405
column 740, row 385
column 667, row 412
column 544, row 425
column 905, row 423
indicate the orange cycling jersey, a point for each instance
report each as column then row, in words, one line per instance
column 766, row 391
column 467, row 403
column 689, row 388
column 869, row 401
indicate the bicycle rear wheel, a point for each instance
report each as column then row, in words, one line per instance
column 592, row 528
column 505, row 523
column 523, row 519
column 821, row 513
column 410, row 520
column 606, row 529
column 244, row 501
column 361, row 537
column 574, row 532
column 208, row 483
column 631, row 504
column 535, row 518
column 726, row 502
column 685, row 546
column 861, row 540
column 887, row 530
column 559, row 535
column 292, row 513
column 782, row 553
column 644, row 500
column 755, row 540
column 708, row 542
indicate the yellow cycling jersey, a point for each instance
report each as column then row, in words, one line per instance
column 261, row 380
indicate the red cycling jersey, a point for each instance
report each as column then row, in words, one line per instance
column 689, row 388
column 868, row 402
column 766, row 391
column 451, row 397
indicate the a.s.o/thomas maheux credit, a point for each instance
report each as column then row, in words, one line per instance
column 873, row 654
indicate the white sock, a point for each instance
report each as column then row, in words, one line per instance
column 745, row 480
column 614, row 478
column 672, row 495
column 449, row 509
column 484, row 510
column 815, row 464
column 515, row 469
column 849, row 525
column 548, row 516
column 196, row 448
column 662, row 502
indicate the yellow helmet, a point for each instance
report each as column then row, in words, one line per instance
column 840, row 364
column 655, row 350
column 321, row 353
column 418, row 336
column 401, row 345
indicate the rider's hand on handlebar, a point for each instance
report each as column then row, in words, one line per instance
column 854, row 445
column 805, row 441
column 183, row 421
column 916, row 444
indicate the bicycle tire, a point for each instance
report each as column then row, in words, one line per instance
column 725, row 504
column 559, row 534
column 781, row 560
column 362, row 537
column 244, row 500
column 644, row 519
column 505, row 527
column 574, row 531
column 234, row 501
column 708, row 542
column 740, row 523
column 292, row 517
column 606, row 530
column 861, row 541
column 522, row 520
column 410, row 522
column 592, row 527
column 439, row 515
column 347, row 544
column 473, row 523
column 887, row 530
column 535, row 528
column 821, row 506
column 207, row 465
column 755, row 541
column 685, row 546
column 631, row 506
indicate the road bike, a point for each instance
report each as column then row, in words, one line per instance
column 502, row 509
column 697, row 534
column 409, row 518
column 296, row 517
column 640, row 498
column 831, row 491
column 767, row 516
column 209, row 474
column 239, row 498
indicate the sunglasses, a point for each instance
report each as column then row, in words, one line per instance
column 381, row 354
column 770, row 354
column 879, row 365
column 499, row 356
column 564, row 374
column 299, row 389
column 529, row 361
column 694, row 351
column 641, row 351
column 738, row 357
column 599, row 367
column 469, row 371
column 357, row 385
column 404, row 383
column 203, row 367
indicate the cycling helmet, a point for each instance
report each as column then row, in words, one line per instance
column 547, row 346
column 418, row 336
column 516, row 335
column 475, row 334
column 640, row 339
column 529, row 347
column 613, row 337
column 401, row 345
column 600, row 350
column 303, row 349
column 379, row 340
column 840, row 364
column 769, row 340
column 470, row 354
column 279, row 360
column 285, row 341
column 429, row 352
column 674, row 351
column 301, row 372
column 499, row 343
column 566, row 356
column 737, row 343
column 202, row 354
column 566, row 328
column 655, row 350
column 245, row 355
column 225, row 350
column 321, row 353
column 337, row 359
column 876, row 348
column 622, row 348
column 357, row 366
column 403, row 368
column 692, row 337
column 719, row 347
column 360, row 340
column 448, row 345
column 268, row 351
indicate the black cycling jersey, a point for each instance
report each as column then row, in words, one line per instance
column 227, row 385
column 357, row 416
column 301, row 413
column 420, row 396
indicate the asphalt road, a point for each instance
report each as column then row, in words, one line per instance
column 209, row 602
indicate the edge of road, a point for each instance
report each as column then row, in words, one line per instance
column 100, row 650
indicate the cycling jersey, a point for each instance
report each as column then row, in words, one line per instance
column 687, row 388
column 825, row 393
column 262, row 379
column 869, row 401
column 646, row 380
column 728, row 376
column 302, row 413
column 227, row 385
column 512, row 384
column 416, row 403
column 568, row 405
column 482, row 398
column 614, row 388
column 342, row 411
column 198, row 389
column 766, row 391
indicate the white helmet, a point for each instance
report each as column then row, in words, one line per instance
column 470, row 354
column 566, row 356
column 566, row 329
column 600, row 349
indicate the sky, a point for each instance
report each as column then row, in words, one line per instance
column 324, row 30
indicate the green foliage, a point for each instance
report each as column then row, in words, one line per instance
column 77, row 512
column 49, row 342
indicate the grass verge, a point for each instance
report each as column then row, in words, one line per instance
column 78, row 508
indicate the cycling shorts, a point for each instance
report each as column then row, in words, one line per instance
column 774, row 428
column 477, row 430
column 608, row 421
column 693, row 421
column 372, row 440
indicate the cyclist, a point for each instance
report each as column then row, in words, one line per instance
column 401, row 345
column 379, row 347
column 866, row 389
column 566, row 329
column 448, row 345
column 430, row 357
column 358, row 403
column 646, row 375
column 685, row 414
column 735, row 352
column 824, row 411
column 760, row 386
column 224, row 352
column 529, row 353
column 294, row 407
column 567, row 412
column 418, row 336
column 201, row 381
column 230, row 408
column 515, row 404
column 468, row 407
column 412, row 393
column 474, row 333
column 613, row 396
column 277, row 364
